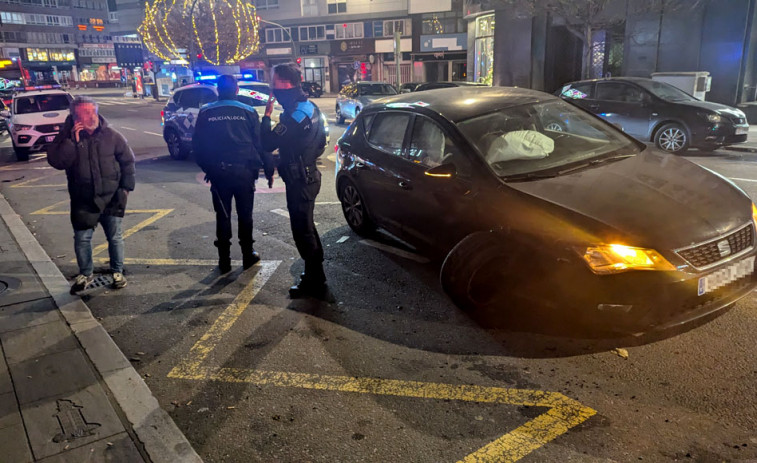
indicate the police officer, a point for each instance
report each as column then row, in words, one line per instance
column 300, row 137
column 226, row 144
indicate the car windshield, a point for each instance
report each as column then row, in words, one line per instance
column 665, row 91
column 377, row 89
column 41, row 103
column 546, row 138
column 255, row 87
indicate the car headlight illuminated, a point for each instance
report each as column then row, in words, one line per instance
column 22, row 128
column 614, row 258
column 754, row 214
column 713, row 117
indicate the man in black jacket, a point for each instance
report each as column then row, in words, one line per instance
column 99, row 166
column 300, row 137
column 226, row 143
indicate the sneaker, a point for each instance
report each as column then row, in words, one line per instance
column 119, row 280
column 80, row 283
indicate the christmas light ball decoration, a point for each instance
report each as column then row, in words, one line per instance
column 223, row 31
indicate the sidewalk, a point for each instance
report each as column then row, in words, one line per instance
column 67, row 393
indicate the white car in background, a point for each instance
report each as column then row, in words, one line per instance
column 180, row 113
column 35, row 118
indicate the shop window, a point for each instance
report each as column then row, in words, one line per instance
column 442, row 23
column 349, row 31
column 484, row 49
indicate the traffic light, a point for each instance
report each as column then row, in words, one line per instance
column 299, row 60
column 199, row 56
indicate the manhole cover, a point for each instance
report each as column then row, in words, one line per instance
column 8, row 283
column 3, row 286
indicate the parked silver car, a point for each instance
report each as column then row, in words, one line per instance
column 355, row 96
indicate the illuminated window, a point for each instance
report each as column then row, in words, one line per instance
column 348, row 31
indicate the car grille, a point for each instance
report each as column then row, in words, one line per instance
column 48, row 128
column 707, row 254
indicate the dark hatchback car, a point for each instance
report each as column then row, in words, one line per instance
column 312, row 89
column 582, row 225
column 659, row 112
column 437, row 85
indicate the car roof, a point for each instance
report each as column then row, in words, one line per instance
column 252, row 82
column 372, row 82
column 460, row 103
column 39, row 92
column 609, row 79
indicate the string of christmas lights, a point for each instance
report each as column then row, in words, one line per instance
column 166, row 29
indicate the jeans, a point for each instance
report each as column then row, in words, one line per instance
column 83, row 245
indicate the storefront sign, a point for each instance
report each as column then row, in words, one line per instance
column 309, row 49
column 278, row 51
column 352, row 47
column 444, row 42
column 104, row 60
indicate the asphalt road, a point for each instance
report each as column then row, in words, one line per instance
column 392, row 371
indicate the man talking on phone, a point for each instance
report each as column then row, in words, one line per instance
column 99, row 167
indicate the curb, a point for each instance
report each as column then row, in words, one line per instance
column 161, row 438
column 742, row 149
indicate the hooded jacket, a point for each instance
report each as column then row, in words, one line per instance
column 99, row 168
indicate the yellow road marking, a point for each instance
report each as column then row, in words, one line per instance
column 31, row 183
column 564, row 413
column 157, row 214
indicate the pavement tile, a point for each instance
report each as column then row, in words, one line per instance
column 9, row 415
column 100, row 347
column 121, row 450
column 53, row 417
column 13, row 445
column 51, row 376
column 36, row 341
column 17, row 316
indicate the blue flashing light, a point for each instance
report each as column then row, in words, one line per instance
column 208, row 77
column 247, row 76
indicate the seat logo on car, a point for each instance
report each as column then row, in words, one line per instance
column 724, row 248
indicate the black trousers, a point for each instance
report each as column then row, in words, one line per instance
column 238, row 184
column 301, row 203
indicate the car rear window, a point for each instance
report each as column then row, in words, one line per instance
column 377, row 89
column 578, row 91
column 387, row 132
column 41, row 103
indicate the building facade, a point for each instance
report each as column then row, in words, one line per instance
column 61, row 40
column 337, row 42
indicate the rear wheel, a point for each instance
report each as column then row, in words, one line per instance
column 673, row 138
column 339, row 116
column 175, row 148
column 354, row 209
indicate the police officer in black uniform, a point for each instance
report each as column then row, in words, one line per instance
column 300, row 137
column 226, row 144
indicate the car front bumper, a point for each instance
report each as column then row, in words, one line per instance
column 721, row 134
column 636, row 302
column 32, row 139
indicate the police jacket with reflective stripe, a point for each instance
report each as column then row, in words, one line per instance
column 300, row 134
column 228, row 131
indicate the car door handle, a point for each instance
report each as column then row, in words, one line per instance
column 405, row 185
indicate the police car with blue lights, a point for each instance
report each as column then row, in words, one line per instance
column 180, row 113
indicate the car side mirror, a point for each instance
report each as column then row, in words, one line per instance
column 442, row 171
column 5, row 113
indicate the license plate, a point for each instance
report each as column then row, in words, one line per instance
column 50, row 138
column 742, row 130
column 726, row 275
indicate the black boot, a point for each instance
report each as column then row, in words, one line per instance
column 224, row 257
column 305, row 289
column 250, row 259
column 249, row 256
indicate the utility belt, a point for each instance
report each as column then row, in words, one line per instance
column 298, row 171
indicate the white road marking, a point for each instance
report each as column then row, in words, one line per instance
column 324, row 203
column 743, row 179
column 156, row 134
column 127, row 128
column 342, row 239
column 395, row 251
column 281, row 212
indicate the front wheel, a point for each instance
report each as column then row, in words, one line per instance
column 339, row 116
column 354, row 209
column 672, row 138
column 22, row 154
column 175, row 148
